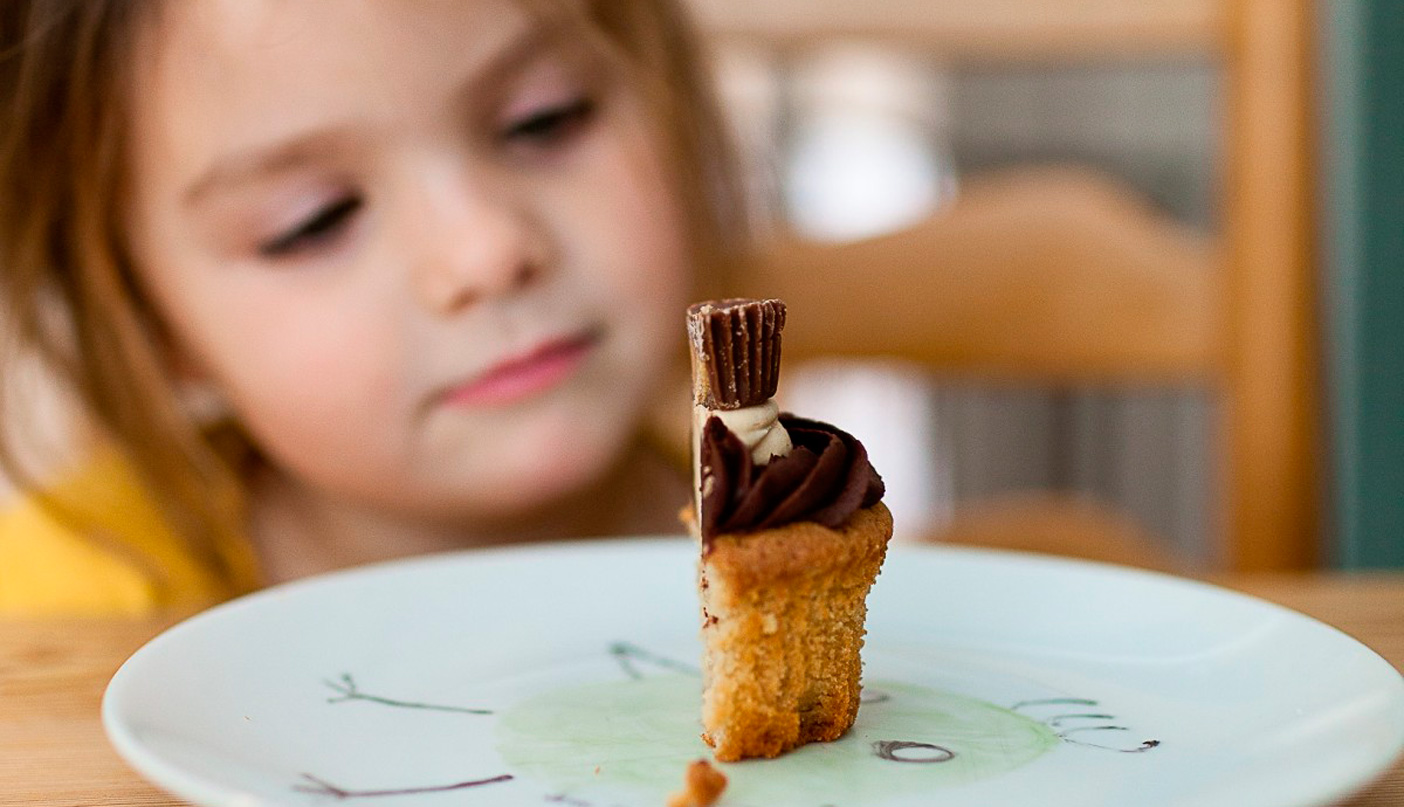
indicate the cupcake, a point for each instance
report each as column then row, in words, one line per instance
column 792, row 532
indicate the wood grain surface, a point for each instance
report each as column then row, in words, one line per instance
column 52, row 674
column 1001, row 30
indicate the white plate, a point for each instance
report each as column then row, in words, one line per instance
column 565, row 674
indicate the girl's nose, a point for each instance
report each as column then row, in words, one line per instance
column 474, row 245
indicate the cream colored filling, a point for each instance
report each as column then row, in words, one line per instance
column 759, row 429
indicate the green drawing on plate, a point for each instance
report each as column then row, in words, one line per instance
column 636, row 736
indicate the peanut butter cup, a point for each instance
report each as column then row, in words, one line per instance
column 735, row 351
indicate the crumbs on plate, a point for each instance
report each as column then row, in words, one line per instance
column 702, row 786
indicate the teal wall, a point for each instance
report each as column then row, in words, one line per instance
column 1362, row 160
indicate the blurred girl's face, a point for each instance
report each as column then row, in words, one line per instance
column 429, row 252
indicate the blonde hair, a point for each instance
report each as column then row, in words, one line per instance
column 67, row 290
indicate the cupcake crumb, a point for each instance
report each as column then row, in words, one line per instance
column 702, row 786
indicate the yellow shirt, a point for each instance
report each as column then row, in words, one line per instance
column 47, row 568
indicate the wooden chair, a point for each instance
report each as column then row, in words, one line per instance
column 1064, row 277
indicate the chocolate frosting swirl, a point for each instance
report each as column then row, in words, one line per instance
column 826, row 479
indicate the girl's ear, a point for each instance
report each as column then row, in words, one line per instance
column 197, row 394
column 202, row 401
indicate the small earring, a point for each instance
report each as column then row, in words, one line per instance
column 203, row 403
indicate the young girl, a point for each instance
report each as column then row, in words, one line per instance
column 340, row 281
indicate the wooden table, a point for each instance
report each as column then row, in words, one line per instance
column 53, row 751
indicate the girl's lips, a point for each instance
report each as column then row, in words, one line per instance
column 520, row 377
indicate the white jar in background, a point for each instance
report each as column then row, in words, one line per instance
column 866, row 149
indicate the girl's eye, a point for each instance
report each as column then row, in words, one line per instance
column 317, row 229
column 552, row 124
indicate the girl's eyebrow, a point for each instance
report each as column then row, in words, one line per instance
column 259, row 162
